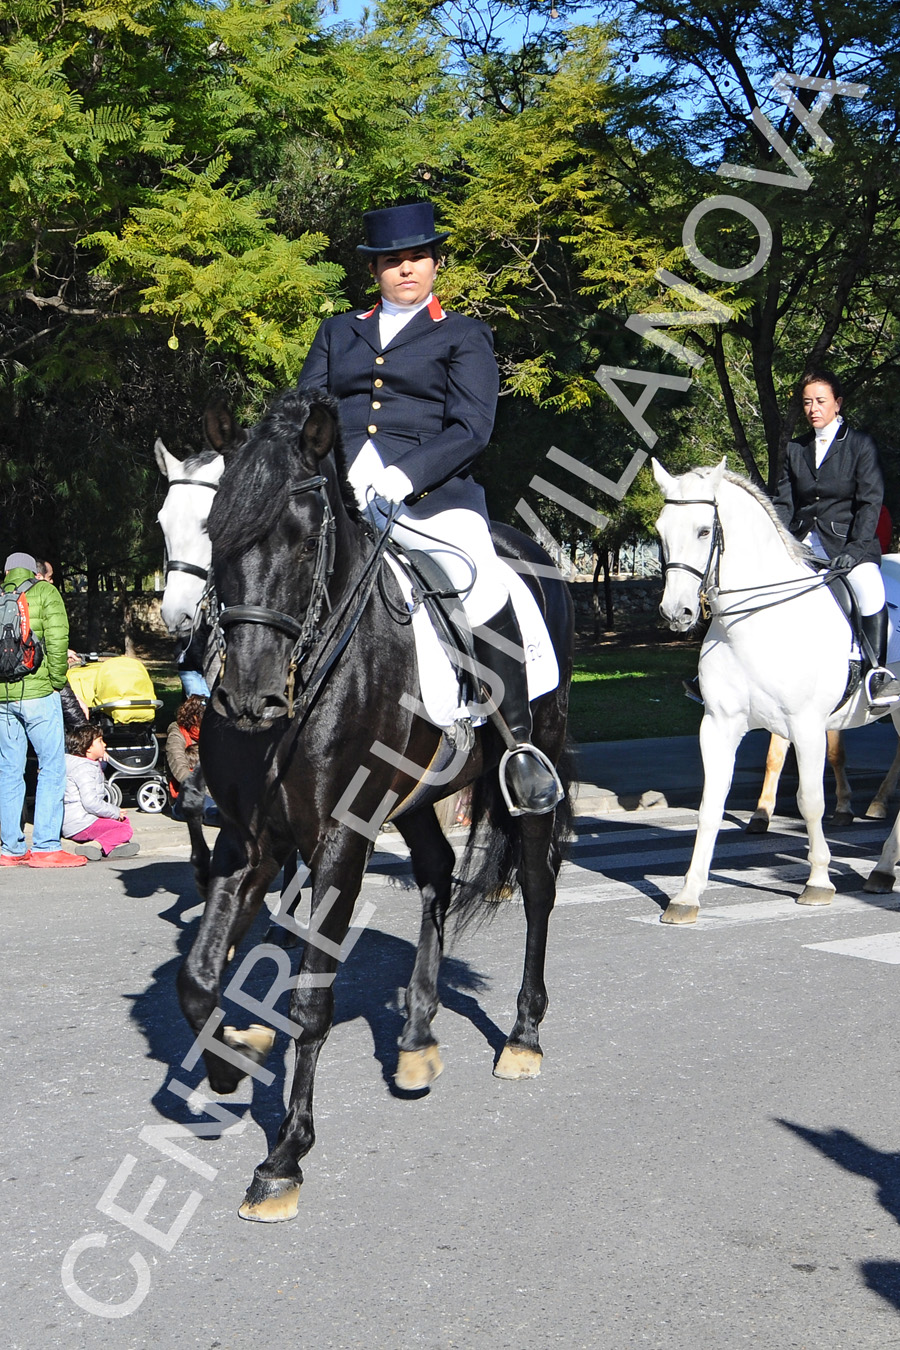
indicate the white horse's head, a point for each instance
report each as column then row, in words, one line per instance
column 192, row 484
column 687, row 531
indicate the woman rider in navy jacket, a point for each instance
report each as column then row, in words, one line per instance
column 829, row 496
column 418, row 392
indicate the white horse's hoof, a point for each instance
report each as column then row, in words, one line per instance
column 816, row 895
column 879, row 883
column 876, row 811
column 677, row 912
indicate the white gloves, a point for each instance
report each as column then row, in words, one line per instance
column 392, row 484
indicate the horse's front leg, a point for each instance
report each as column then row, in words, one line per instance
column 235, row 896
column 765, row 807
column 419, row 1061
column 522, row 1055
column 719, row 740
column 273, row 1194
column 810, row 747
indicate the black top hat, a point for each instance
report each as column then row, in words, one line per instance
column 399, row 227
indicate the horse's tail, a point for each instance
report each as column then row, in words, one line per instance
column 492, row 855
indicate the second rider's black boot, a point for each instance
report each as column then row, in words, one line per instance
column 882, row 686
column 532, row 783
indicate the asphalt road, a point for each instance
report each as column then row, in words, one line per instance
column 710, row 1157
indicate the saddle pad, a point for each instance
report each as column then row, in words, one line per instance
column 890, row 571
column 437, row 678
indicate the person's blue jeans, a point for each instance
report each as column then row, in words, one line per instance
column 192, row 682
column 40, row 721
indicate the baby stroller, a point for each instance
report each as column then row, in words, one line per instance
column 121, row 700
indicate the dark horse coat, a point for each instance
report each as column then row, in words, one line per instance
column 841, row 500
column 427, row 400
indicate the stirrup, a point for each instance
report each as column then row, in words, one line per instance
column 882, row 700
column 526, row 747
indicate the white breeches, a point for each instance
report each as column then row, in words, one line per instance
column 460, row 541
column 865, row 581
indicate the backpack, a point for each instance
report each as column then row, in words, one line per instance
column 20, row 652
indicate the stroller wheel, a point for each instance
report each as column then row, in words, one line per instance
column 152, row 797
column 113, row 793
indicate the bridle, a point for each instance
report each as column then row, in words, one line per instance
column 306, row 632
column 709, row 577
column 173, row 565
column 710, row 590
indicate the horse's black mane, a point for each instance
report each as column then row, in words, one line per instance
column 254, row 487
column 200, row 459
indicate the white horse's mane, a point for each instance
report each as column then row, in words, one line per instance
column 799, row 552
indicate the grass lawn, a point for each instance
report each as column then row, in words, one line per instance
column 623, row 691
column 624, row 688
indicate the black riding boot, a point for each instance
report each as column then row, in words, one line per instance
column 883, row 687
column 533, row 786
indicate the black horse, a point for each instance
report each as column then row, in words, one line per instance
column 311, row 740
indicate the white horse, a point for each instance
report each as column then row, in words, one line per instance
column 192, row 486
column 776, row 655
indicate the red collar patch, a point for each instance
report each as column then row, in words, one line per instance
column 434, row 309
column 368, row 314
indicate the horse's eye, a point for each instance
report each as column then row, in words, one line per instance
column 311, row 545
column 704, row 533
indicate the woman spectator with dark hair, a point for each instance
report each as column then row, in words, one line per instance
column 183, row 754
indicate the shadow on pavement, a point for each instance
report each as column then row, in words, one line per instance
column 849, row 1152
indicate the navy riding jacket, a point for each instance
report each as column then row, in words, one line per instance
column 427, row 400
column 841, row 500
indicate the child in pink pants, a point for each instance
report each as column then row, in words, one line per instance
column 96, row 827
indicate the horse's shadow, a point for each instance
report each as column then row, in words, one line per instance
column 370, row 984
column 849, row 1152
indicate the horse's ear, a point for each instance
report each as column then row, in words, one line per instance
column 718, row 473
column 319, row 431
column 665, row 480
column 221, row 432
column 168, row 464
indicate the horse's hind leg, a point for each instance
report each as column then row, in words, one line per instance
column 765, row 807
column 521, row 1056
column 877, row 809
column 836, row 753
column 235, row 897
column 419, row 1061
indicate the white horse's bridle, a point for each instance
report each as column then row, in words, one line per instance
column 710, row 572
column 173, row 565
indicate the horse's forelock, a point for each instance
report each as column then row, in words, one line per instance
column 254, row 487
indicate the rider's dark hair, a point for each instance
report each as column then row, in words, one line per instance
column 816, row 376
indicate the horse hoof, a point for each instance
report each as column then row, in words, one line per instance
column 418, row 1068
column 841, row 819
column 517, row 1061
column 676, row 912
column 876, row 811
column 757, row 824
column 254, row 1041
column 879, row 883
column 271, row 1200
column 816, row 895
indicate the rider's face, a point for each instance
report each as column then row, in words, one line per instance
column 405, row 277
column 820, row 404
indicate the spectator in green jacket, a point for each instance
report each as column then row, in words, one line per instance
column 30, row 710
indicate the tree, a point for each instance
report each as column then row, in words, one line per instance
column 828, row 290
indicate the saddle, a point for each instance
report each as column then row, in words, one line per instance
column 433, row 589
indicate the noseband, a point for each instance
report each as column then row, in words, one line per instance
column 191, row 568
column 710, row 572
